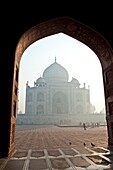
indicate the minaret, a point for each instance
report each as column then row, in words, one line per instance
column 55, row 59
column 27, row 86
column 84, row 85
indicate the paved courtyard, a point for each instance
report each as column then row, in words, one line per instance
column 60, row 148
column 52, row 137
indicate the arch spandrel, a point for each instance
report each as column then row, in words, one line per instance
column 72, row 28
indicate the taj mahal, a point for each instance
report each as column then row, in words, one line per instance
column 55, row 100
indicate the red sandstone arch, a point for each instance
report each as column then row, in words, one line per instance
column 83, row 34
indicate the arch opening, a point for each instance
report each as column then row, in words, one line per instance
column 85, row 35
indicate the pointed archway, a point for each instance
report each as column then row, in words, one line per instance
column 83, row 34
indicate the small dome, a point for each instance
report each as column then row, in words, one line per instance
column 40, row 81
column 55, row 72
column 75, row 82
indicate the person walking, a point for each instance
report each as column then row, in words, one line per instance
column 84, row 126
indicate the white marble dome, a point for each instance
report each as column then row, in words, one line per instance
column 75, row 82
column 40, row 81
column 55, row 72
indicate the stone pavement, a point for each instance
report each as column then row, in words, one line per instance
column 59, row 148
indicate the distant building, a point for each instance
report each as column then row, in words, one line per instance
column 56, row 100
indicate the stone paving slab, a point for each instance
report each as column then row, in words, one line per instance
column 59, row 148
column 60, row 159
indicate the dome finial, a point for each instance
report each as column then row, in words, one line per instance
column 55, row 59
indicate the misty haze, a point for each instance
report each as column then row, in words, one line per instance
column 61, row 109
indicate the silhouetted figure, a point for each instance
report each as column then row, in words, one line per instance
column 84, row 144
column 84, row 126
column 92, row 144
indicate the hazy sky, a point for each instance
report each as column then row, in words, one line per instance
column 78, row 59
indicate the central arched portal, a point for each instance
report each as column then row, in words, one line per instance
column 83, row 34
